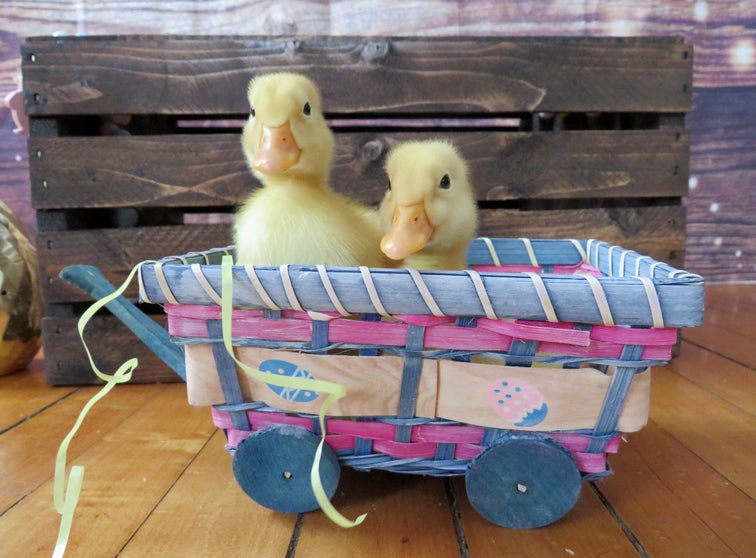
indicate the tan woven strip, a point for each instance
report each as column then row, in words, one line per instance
column 491, row 250
column 330, row 290
column 163, row 284
column 206, row 286
column 637, row 264
column 530, row 251
column 652, row 270
column 480, row 288
column 653, row 301
column 622, row 263
column 588, row 259
column 289, row 288
column 257, row 284
column 600, row 296
column 543, row 296
column 367, row 279
column 425, row 293
column 142, row 292
column 580, row 249
column 611, row 260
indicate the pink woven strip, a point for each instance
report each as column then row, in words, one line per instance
column 449, row 434
column 342, row 434
column 442, row 336
column 405, row 450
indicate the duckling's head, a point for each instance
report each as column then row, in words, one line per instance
column 430, row 204
column 286, row 134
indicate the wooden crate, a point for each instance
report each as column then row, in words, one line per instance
column 575, row 137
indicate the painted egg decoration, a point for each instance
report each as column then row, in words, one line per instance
column 288, row 369
column 517, row 401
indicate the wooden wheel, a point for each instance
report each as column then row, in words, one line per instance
column 273, row 467
column 523, row 482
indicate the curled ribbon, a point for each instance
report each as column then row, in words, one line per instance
column 65, row 505
column 335, row 392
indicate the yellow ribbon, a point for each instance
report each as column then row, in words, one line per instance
column 335, row 392
column 66, row 505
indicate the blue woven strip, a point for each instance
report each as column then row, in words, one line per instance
column 522, row 348
column 413, row 367
column 464, row 322
column 319, row 336
column 363, row 446
column 445, row 451
column 369, row 318
column 229, row 380
column 614, row 400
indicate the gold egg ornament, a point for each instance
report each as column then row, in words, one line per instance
column 20, row 302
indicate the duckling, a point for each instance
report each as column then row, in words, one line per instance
column 296, row 218
column 429, row 214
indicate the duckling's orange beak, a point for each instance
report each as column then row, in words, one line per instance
column 410, row 231
column 277, row 150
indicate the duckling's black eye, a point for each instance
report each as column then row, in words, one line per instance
column 445, row 183
column 252, row 111
column 307, row 109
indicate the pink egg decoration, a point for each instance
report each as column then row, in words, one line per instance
column 517, row 401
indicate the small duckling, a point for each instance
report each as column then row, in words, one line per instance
column 429, row 214
column 296, row 218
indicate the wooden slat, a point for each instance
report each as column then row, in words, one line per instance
column 586, row 530
column 111, row 344
column 24, row 394
column 207, row 514
column 128, row 471
column 29, row 449
column 655, row 231
column 716, row 430
column 407, row 516
column 182, row 75
column 715, row 373
column 115, row 252
column 210, row 170
column 676, row 504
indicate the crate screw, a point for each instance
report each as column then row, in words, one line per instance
column 39, row 154
column 44, row 184
column 32, row 57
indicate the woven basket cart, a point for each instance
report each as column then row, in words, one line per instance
column 519, row 373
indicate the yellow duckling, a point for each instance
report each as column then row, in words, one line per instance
column 296, row 218
column 429, row 213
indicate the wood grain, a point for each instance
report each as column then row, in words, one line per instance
column 407, row 516
column 141, row 457
column 126, row 76
column 563, row 538
column 722, row 435
column 115, row 252
column 210, row 170
column 28, row 455
column 206, row 501
column 654, row 231
column 111, row 344
column 701, row 511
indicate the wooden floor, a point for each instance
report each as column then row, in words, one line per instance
column 158, row 481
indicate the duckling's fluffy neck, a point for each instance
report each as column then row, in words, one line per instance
column 294, row 180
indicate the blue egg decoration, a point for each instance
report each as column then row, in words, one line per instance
column 534, row 417
column 288, row 369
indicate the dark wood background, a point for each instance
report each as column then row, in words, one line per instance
column 721, row 222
